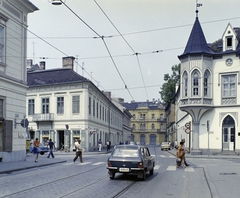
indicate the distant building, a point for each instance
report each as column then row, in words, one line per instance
column 170, row 122
column 208, row 95
column 64, row 106
column 148, row 122
column 13, row 78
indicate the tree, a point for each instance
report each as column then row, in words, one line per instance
column 168, row 88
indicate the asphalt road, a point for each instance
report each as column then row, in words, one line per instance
column 204, row 178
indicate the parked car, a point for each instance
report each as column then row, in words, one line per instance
column 130, row 159
column 132, row 143
column 165, row 146
column 42, row 149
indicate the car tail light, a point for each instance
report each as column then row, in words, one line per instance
column 140, row 165
column 109, row 164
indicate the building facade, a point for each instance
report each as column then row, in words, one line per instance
column 148, row 122
column 209, row 92
column 64, row 106
column 13, row 78
column 170, row 122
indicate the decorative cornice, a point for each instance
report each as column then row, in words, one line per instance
column 3, row 17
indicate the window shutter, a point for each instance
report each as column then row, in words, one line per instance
column 7, row 135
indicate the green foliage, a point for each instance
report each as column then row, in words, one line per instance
column 168, row 88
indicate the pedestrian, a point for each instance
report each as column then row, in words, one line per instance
column 175, row 144
column 51, row 146
column 107, row 145
column 180, row 155
column 185, row 162
column 99, row 145
column 172, row 144
column 78, row 151
column 35, row 149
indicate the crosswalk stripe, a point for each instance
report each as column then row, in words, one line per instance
column 189, row 169
column 171, row 168
column 98, row 163
column 162, row 156
column 156, row 167
column 84, row 163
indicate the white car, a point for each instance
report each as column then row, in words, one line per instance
column 165, row 146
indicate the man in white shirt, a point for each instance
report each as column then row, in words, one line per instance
column 78, row 151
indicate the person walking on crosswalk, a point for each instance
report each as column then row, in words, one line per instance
column 180, row 155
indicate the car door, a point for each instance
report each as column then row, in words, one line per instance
column 147, row 158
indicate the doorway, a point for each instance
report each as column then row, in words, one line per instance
column 228, row 134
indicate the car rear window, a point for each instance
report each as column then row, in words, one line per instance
column 123, row 152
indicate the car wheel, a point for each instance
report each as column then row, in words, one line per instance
column 42, row 153
column 151, row 171
column 112, row 176
column 144, row 175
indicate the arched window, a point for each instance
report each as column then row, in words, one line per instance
column 185, row 84
column 206, row 83
column 195, row 83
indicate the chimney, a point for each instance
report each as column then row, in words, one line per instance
column 42, row 65
column 68, row 62
column 107, row 94
column 29, row 63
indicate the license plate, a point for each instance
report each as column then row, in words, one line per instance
column 123, row 169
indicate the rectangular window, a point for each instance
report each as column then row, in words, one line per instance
column 229, row 86
column 229, row 42
column 30, row 106
column 97, row 109
column 2, row 40
column 93, row 107
column 153, row 116
column 205, row 87
column 60, row 105
column 45, row 105
column 89, row 105
column 75, row 104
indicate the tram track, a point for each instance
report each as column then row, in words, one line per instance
column 59, row 181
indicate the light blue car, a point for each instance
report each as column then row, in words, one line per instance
column 42, row 149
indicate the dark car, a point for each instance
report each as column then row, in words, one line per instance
column 42, row 149
column 130, row 159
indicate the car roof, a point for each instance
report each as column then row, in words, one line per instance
column 129, row 146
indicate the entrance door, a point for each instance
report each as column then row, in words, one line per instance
column 228, row 138
column 228, row 131
column 142, row 139
column 152, row 139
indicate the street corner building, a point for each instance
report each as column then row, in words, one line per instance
column 65, row 106
column 13, row 78
column 208, row 99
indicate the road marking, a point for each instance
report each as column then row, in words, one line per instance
column 162, row 156
column 171, row 168
column 98, row 163
column 189, row 169
column 84, row 163
column 172, row 156
column 156, row 167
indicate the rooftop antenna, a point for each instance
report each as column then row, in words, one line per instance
column 197, row 6
column 82, row 68
column 33, row 54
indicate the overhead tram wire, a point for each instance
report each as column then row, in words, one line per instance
column 62, row 53
column 135, row 53
column 102, row 37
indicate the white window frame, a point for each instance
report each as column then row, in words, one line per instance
column 185, row 84
column 229, row 87
column 206, row 84
column 45, row 105
column 195, row 83
column 76, row 104
column 60, row 105
column 31, row 106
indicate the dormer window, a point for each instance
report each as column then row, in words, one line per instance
column 229, row 43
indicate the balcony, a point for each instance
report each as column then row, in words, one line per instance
column 42, row 117
column 196, row 102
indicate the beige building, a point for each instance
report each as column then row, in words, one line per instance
column 170, row 122
column 148, row 122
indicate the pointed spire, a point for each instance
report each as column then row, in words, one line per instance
column 196, row 43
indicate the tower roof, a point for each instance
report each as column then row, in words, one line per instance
column 196, row 43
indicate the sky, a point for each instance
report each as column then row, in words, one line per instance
column 119, row 44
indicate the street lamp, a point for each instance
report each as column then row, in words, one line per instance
column 56, row 2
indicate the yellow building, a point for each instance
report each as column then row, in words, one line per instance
column 148, row 122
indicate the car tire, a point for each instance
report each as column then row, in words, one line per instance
column 151, row 171
column 144, row 176
column 113, row 175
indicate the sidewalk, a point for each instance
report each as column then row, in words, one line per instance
column 211, row 156
column 9, row 167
